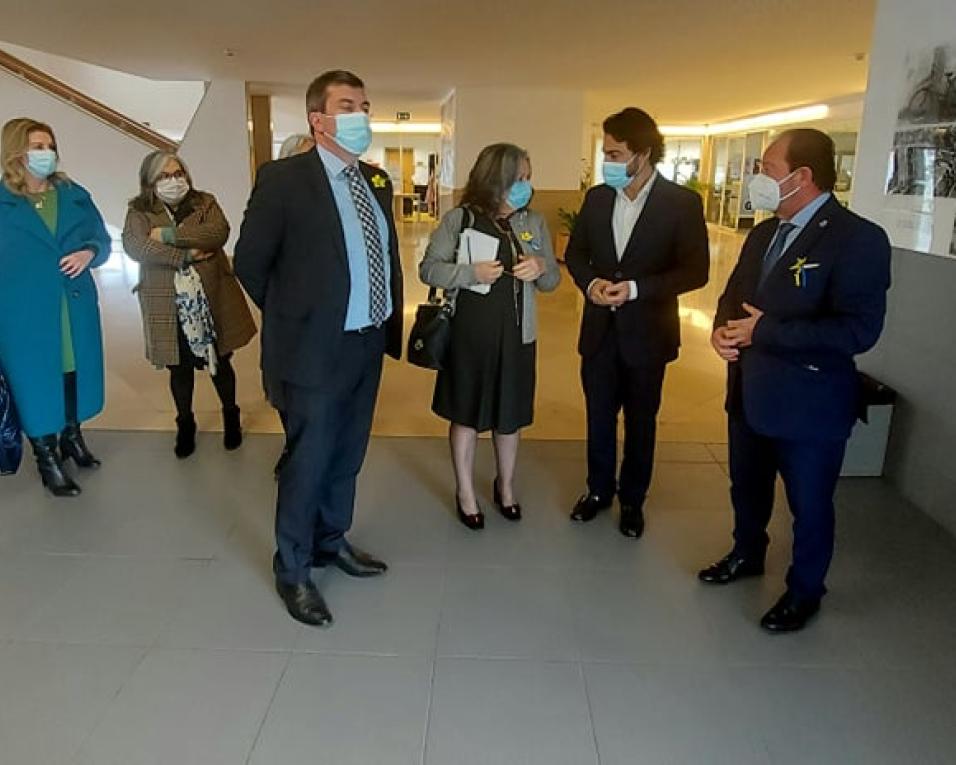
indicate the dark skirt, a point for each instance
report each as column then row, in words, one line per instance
column 489, row 377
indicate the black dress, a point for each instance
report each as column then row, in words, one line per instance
column 489, row 376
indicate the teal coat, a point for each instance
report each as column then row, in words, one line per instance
column 31, row 294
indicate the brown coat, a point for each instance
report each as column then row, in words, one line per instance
column 205, row 230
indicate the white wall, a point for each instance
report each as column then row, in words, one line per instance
column 106, row 161
column 216, row 148
column 917, row 354
column 545, row 121
column 94, row 154
column 167, row 107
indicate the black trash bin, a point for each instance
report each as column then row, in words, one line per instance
column 866, row 449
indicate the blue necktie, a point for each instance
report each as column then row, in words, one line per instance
column 377, row 303
column 776, row 250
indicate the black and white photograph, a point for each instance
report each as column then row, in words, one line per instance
column 923, row 162
column 930, row 93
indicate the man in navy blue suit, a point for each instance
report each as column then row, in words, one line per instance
column 807, row 295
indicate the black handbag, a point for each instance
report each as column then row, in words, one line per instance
column 11, row 439
column 431, row 333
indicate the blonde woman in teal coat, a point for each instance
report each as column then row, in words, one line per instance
column 51, row 345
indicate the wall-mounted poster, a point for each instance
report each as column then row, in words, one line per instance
column 446, row 146
column 920, row 205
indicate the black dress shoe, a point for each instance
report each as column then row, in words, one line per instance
column 473, row 521
column 511, row 512
column 304, row 603
column 52, row 471
column 353, row 562
column 632, row 521
column 789, row 615
column 588, row 506
column 730, row 569
column 73, row 446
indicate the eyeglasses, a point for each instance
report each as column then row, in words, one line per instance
column 178, row 175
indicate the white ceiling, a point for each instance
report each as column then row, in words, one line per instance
column 688, row 61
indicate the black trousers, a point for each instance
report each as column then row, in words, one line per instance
column 810, row 470
column 182, row 381
column 327, row 433
column 610, row 385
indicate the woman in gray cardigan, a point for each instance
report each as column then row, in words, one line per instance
column 488, row 378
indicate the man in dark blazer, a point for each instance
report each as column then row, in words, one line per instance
column 318, row 253
column 639, row 242
column 806, row 296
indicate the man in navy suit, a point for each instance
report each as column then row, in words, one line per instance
column 318, row 253
column 807, row 295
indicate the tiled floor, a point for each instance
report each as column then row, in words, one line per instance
column 138, row 624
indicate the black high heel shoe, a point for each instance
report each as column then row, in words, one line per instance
column 511, row 512
column 51, row 469
column 473, row 521
column 73, row 446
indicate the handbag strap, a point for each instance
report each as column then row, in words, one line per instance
column 467, row 220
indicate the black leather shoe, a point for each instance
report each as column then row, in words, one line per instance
column 789, row 615
column 353, row 562
column 730, row 569
column 305, row 604
column 588, row 506
column 185, row 436
column 73, row 446
column 473, row 521
column 632, row 521
column 511, row 512
column 51, row 469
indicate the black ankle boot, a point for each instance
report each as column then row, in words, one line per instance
column 73, row 446
column 232, row 433
column 185, row 436
column 52, row 472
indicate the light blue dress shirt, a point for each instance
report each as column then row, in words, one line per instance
column 357, row 316
column 800, row 221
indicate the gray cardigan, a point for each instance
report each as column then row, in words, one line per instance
column 439, row 269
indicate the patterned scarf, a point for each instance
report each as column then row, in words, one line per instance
column 195, row 316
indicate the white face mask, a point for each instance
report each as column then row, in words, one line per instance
column 172, row 190
column 765, row 192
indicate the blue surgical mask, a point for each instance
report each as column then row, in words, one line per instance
column 615, row 174
column 519, row 195
column 353, row 132
column 41, row 162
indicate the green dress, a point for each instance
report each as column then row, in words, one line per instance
column 45, row 204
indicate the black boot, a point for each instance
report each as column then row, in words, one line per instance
column 185, row 436
column 52, row 472
column 73, row 446
column 232, row 433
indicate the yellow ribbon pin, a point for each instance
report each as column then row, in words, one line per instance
column 379, row 181
column 526, row 236
column 799, row 271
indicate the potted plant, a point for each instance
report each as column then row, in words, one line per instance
column 567, row 218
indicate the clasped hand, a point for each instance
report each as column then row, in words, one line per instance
column 736, row 334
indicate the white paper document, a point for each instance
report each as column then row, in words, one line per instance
column 475, row 247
